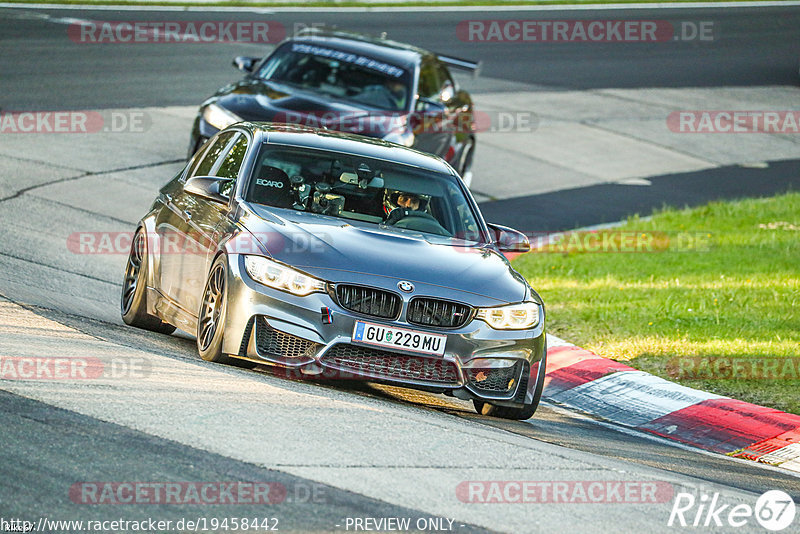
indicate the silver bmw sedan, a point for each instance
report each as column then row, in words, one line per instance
column 337, row 256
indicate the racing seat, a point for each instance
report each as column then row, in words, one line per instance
column 271, row 187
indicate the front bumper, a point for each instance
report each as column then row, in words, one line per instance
column 291, row 332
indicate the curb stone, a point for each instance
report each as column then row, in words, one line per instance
column 582, row 380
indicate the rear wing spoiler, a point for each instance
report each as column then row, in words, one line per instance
column 463, row 64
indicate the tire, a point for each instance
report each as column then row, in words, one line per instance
column 133, row 301
column 519, row 414
column 211, row 317
column 213, row 309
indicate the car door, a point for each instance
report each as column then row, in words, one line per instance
column 176, row 236
column 203, row 218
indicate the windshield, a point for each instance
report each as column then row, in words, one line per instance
column 343, row 75
column 377, row 192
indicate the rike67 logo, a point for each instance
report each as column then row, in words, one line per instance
column 774, row 511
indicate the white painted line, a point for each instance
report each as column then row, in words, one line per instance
column 793, row 466
column 65, row 20
column 782, row 455
column 632, row 398
column 411, row 9
column 635, row 181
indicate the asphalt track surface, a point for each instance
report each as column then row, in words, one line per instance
column 47, row 447
column 43, row 69
column 753, row 47
column 609, row 203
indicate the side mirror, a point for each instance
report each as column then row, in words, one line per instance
column 509, row 240
column 448, row 92
column 207, row 187
column 244, row 63
column 429, row 105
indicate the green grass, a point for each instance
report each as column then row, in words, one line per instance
column 739, row 296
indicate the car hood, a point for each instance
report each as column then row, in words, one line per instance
column 259, row 100
column 335, row 250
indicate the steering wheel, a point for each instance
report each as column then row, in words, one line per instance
column 419, row 221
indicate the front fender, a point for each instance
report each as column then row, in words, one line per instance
column 148, row 226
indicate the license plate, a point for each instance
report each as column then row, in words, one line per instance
column 399, row 338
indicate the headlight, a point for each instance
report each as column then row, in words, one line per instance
column 279, row 276
column 219, row 117
column 512, row 317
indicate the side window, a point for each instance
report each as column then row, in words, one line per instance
column 229, row 168
column 211, row 155
column 230, row 165
column 428, row 86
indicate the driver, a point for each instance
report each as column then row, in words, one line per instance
column 408, row 200
column 399, row 204
column 390, row 95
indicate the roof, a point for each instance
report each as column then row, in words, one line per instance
column 348, row 143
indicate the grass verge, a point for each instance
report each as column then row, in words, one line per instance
column 708, row 297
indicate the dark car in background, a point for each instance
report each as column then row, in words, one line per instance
column 339, row 256
column 354, row 83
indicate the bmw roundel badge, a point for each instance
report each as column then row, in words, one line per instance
column 406, row 287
